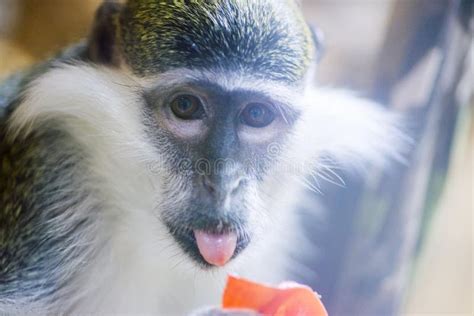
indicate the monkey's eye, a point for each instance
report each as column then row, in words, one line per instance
column 257, row 115
column 187, row 107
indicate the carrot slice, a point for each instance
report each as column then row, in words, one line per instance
column 288, row 301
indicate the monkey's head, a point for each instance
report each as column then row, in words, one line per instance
column 199, row 114
column 222, row 77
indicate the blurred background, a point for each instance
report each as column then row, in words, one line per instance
column 412, row 55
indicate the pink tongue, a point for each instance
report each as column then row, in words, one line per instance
column 216, row 249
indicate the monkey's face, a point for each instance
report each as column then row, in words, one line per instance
column 212, row 125
column 215, row 141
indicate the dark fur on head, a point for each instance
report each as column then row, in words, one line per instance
column 268, row 39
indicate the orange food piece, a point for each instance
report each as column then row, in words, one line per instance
column 288, row 301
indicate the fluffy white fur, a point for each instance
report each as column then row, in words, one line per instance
column 140, row 269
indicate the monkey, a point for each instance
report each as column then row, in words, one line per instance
column 142, row 165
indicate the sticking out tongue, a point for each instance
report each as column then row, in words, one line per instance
column 216, row 249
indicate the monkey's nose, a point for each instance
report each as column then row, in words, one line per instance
column 208, row 185
column 222, row 186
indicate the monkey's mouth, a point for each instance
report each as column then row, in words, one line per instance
column 211, row 248
column 216, row 249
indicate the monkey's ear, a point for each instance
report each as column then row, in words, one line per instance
column 318, row 39
column 102, row 43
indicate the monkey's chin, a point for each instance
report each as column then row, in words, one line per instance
column 216, row 249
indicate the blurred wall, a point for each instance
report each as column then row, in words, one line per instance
column 353, row 35
column 32, row 30
column 444, row 275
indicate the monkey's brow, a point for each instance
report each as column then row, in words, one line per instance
column 287, row 97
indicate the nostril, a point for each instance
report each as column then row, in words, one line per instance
column 208, row 185
column 222, row 188
column 238, row 185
